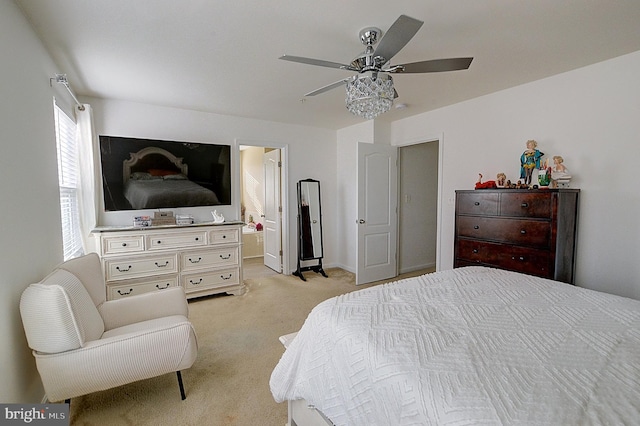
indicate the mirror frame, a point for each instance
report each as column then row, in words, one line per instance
column 303, row 200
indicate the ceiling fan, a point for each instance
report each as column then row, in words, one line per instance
column 371, row 91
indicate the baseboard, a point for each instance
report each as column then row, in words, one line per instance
column 417, row 267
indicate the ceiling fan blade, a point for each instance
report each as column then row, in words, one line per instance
column 397, row 37
column 435, row 65
column 319, row 62
column 328, row 87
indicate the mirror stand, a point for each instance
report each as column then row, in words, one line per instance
column 316, row 268
column 309, row 227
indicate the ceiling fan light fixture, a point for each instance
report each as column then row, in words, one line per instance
column 369, row 94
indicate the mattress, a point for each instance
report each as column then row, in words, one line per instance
column 163, row 193
column 468, row 346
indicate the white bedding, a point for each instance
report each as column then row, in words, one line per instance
column 468, row 346
column 165, row 193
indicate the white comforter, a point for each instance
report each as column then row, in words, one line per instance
column 465, row 347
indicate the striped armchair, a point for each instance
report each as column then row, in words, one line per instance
column 83, row 343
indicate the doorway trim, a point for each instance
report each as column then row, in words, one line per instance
column 284, row 186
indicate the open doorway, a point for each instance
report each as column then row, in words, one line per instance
column 418, row 206
column 261, row 183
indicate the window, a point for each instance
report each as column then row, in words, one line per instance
column 69, row 185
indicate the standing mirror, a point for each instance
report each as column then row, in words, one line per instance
column 309, row 227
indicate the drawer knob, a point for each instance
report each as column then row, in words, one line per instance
column 475, row 251
column 476, row 227
column 477, row 203
column 522, row 231
column 197, row 238
column 162, row 288
column 524, row 205
column 123, row 269
column 125, row 293
column 195, row 283
column 159, row 242
column 195, row 260
column 124, row 244
column 162, row 266
column 225, row 257
column 227, row 277
column 521, row 258
column 224, row 236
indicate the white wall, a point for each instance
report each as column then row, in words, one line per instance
column 31, row 238
column 311, row 150
column 590, row 116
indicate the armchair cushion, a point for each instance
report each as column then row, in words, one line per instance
column 119, row 312
column 89, row 271
column 58, row 314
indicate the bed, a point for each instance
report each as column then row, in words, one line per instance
column 467, row 346
column 155, row 178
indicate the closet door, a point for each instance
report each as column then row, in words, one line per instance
column 377, row 212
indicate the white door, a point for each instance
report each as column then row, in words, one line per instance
column 377, row 212
column 272, row 211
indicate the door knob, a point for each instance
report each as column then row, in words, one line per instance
column 360, row 221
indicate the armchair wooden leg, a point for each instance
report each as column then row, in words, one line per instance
column 182, row 395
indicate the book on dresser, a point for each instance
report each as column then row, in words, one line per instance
column 529, row 231
column 203, row 258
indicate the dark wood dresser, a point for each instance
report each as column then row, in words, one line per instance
column 528, row 231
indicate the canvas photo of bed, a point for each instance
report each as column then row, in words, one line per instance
column 140, row 174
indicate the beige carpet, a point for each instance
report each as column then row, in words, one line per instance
column 238, row 348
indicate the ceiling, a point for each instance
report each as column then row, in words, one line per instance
column 222, row 56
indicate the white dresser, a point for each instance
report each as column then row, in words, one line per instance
column 203, row 258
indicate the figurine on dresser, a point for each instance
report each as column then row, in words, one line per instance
column 529, row 161
column 217, row 218
column 559, row 173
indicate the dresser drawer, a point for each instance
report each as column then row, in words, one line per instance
column 526, row 204
column 176, row 240
column 224, row 236
column 218, row 257
column 122, row 244
column 133, row 287
column 522, row 259
column 207, row 280
column 532, row 233
column 137, row 267
column 478, row 203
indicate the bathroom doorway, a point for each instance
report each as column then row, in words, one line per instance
column 262, row 186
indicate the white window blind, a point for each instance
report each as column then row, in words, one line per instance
column 68, row 181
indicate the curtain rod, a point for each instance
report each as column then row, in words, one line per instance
column 62, row 79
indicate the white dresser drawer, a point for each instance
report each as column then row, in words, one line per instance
column 176, row 240
column 137, row 267
column 133, row 287
column 224, row 236
column 213, row 258
column 207, row 280
column 122, row 244
column 203, row 259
